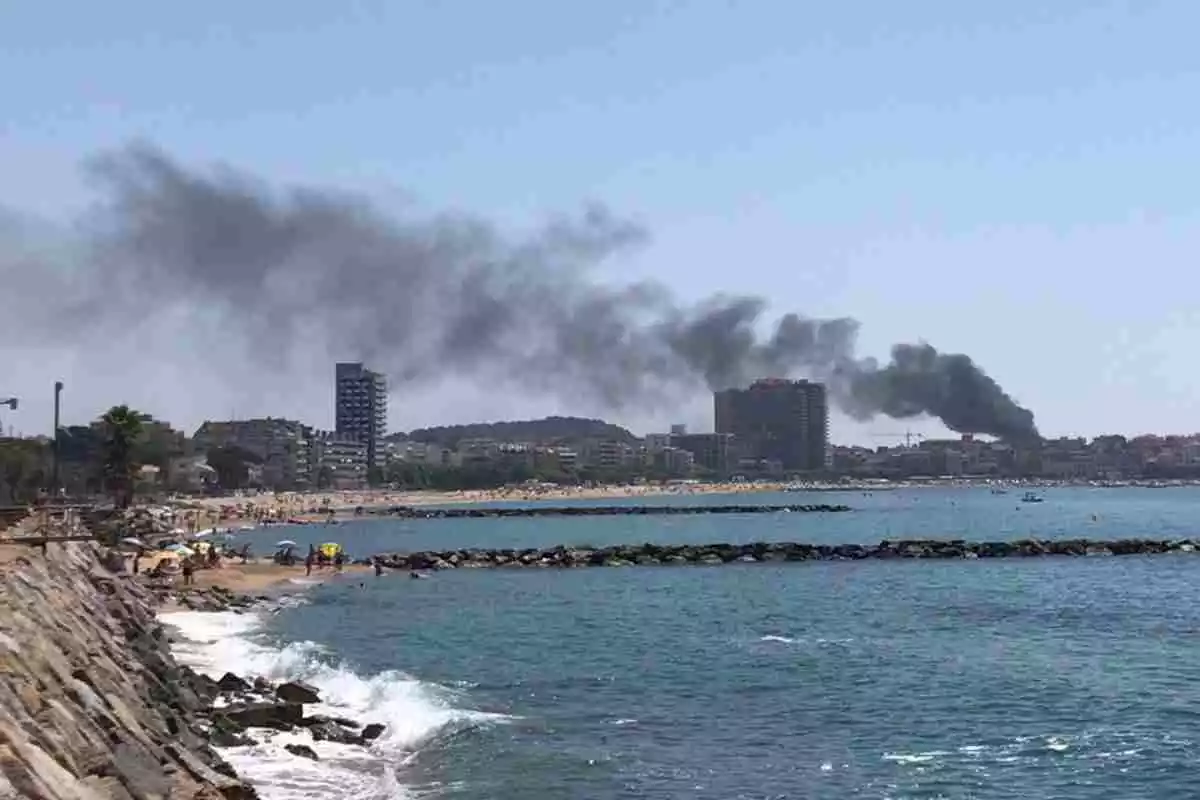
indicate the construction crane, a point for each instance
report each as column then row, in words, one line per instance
column 907, row 436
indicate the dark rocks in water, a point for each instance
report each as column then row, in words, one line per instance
column 332, row 732
column 771, row 552
column 297, row 692
column 302, row 750
column 233, row 683
column 372, row 732
column 278, row 716
column 475, row 512
column 318, row 719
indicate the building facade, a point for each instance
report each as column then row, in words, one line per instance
column 777, row 420
column 284, row 446
column 360, row 405
column 710, row 451
column 340, row 461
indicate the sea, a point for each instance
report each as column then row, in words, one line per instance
column 1069, row 679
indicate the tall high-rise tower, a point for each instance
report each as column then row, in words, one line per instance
column 361, row 408
column 781, row 420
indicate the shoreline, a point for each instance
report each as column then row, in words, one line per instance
column 320, row 505
column 290, row 715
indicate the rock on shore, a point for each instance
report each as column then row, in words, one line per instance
column 92, row 704
column 711, row 554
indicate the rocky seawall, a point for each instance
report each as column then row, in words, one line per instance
column 653, row 554
column 92, row 704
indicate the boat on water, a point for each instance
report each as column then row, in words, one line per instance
column 1030, row 497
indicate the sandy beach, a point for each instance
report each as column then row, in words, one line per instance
column 308, row 506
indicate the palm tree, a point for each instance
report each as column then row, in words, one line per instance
column 122, row 430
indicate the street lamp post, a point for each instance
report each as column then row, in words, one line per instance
column 58, row 387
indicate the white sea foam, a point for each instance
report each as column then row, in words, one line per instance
column 216, row 643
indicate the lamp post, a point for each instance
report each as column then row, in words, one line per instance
column 58, row 387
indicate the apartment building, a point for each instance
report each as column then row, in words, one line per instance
column 360, row 403
column 283, row 445
column 778, row 420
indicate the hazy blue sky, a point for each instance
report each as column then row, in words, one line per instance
column 1013, row 182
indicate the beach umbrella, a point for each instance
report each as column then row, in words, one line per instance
column 285, row 543
column 330, row 549
column 182, row 552
column 133, row 541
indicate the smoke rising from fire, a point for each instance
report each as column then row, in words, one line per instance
column 422, row 297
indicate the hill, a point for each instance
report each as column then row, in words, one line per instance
column 550, row 429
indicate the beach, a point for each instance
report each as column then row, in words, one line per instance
column 220, row 511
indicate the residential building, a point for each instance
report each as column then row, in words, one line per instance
column 360, row 403
column 778, row 420
column 341, row 461
column 283, row 445
column 711, row 451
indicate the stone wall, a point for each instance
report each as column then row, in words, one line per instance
column 92, row 704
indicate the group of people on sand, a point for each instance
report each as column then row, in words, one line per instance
column 319, row 559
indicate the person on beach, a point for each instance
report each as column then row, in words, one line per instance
column 188, row 570
column 378, row 566
column 308, row 561
column 338, row 560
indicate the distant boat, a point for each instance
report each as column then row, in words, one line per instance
column 999, row 491
column 1030, row 497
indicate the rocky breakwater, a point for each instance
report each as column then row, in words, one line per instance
column 493, row 512
column 92, row 704
column 712, row 554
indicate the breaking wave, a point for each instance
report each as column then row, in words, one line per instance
column 413, row 711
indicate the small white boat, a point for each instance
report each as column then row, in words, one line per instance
column 1030, row 497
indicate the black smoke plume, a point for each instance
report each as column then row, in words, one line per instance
column 424, row 297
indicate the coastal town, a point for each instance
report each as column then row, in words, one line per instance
column 773, row 431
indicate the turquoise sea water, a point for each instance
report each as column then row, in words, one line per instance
column 1041, row 678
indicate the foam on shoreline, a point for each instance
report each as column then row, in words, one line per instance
column 413, row 711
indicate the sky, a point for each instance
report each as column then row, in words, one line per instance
column 1011, row 182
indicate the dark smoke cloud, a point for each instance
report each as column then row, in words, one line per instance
column 423, row 297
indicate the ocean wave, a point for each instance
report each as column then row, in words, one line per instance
column 820, row 641
column 413, row 711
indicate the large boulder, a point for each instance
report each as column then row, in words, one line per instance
column 372, row 732
column 302, row 750
column 278, row 716
column 297, row 692
column 332, row 732
column 232, row 683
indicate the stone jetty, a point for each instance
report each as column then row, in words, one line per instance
column 93, row 705
column 476, row 512
column 565, row 556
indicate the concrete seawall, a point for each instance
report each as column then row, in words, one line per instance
column 92, row 704
column 713, row 554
